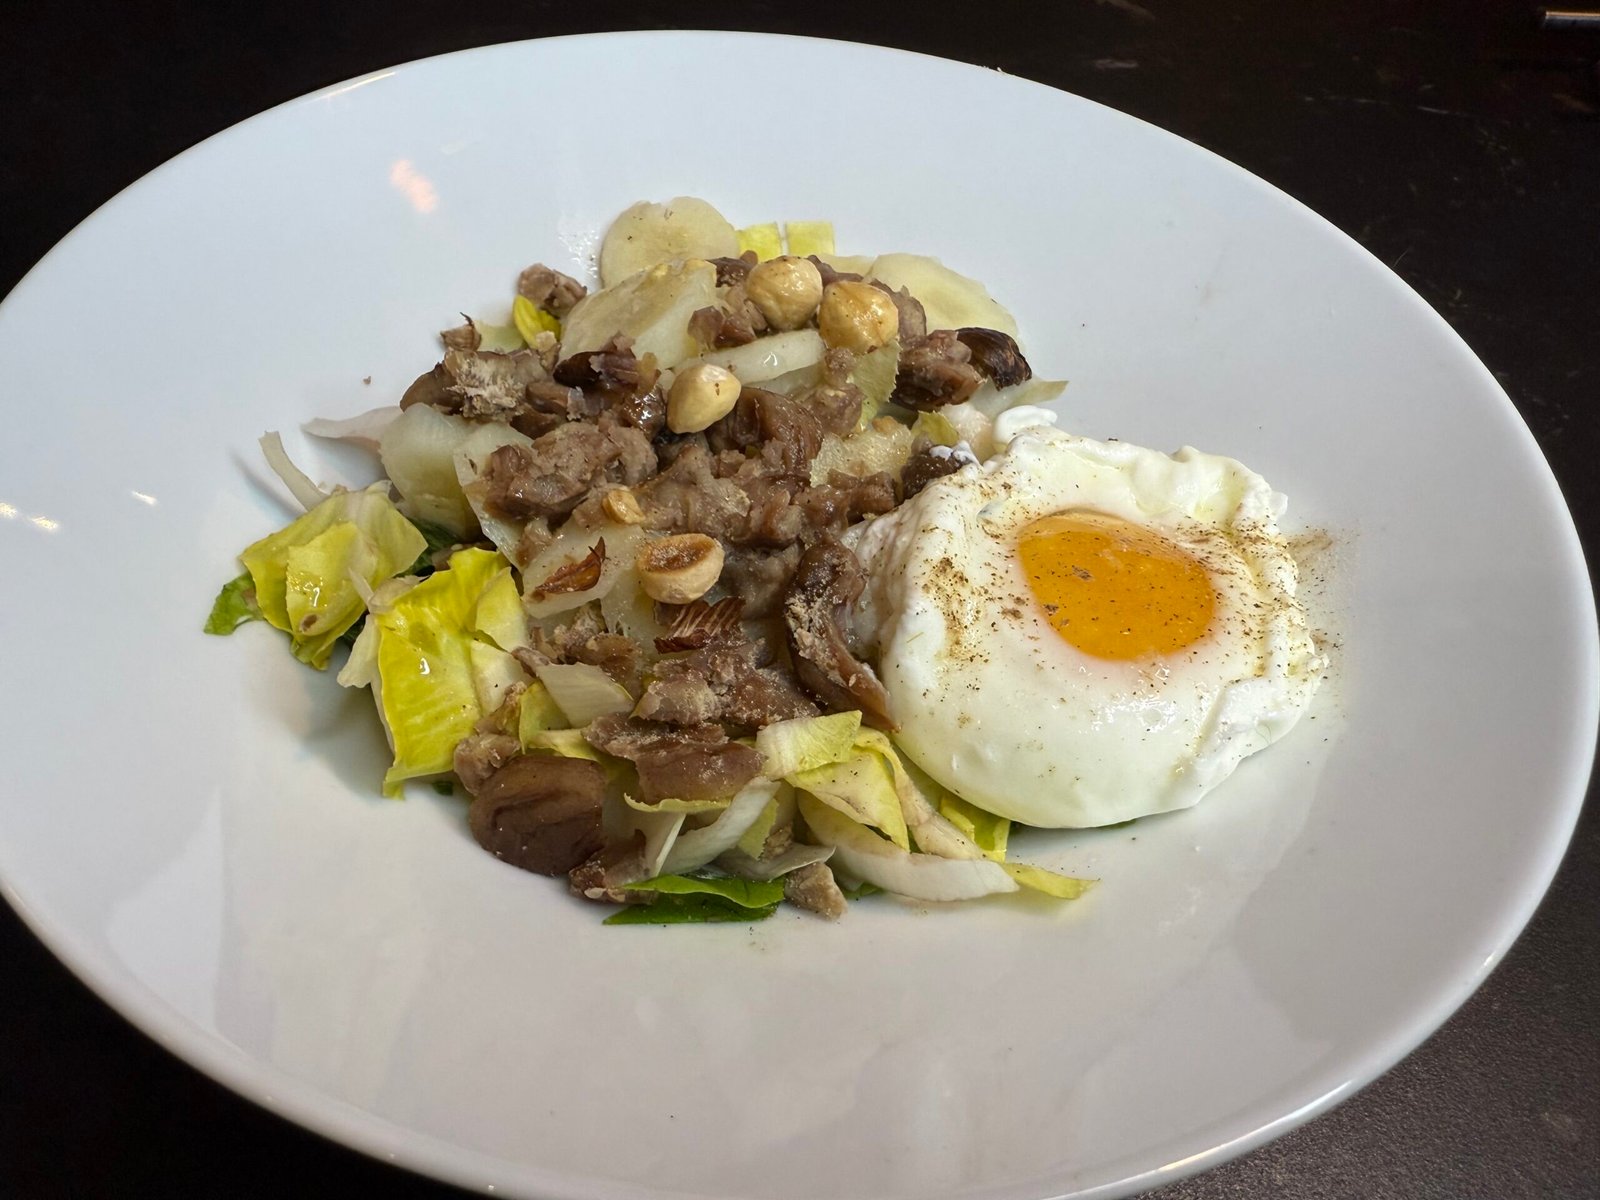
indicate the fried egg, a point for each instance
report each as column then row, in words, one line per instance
column 1076, row 633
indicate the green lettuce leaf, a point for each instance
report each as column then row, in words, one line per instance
column 531, row 320
column 989, row 832
column 765, row 240
column 691, row 899
column 746, row 893
column 1051, row 883
column 565, row 743
column 937, row 428
column 303, row 573
column 671, row 805
column 688, row 910
column 361, row 667
column 320, row 594
column 808, row 237
column 537, row 713
column 498, row 339
column 235, row 606
column 863, row 855
column 754, row 839
column 875, row 374
column 494, row 674
column 435, row 539
column 862, row 788
column 499, row 616
column 805, row 743
column 427, row 695
column 695, row 848
column 919, row 797
column 351, row 636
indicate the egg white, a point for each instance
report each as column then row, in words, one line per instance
column 998, row 707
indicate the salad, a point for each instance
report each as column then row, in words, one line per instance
column 604, row 589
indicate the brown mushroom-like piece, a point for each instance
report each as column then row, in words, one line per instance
column 485, row 385
column 462, row 337
column 695, row 762
column 432, row 387
column 540, row 812
column 734, row 270
column 612, row 372
column 923, row 467
column 828, row 580
column 682, row 770
column 549, row 289
column 490, row 386
column 935, row 372
column 646, row 412
column 996, row 355
column 516, row 485
column 829, row 275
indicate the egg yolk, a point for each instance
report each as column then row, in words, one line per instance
column 1114, row 589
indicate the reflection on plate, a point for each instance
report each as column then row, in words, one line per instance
column 360, row 965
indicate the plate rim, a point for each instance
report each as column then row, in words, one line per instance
column 363, row 1131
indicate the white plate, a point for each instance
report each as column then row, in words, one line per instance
column 193, row 825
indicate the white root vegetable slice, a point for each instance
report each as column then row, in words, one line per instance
column 583, row 692
column 878, row 447
column 648, row 233
column 570, row 546
column 652, row 307
column 951, row 300
column 794, row 381
column 699, row 846
column 916, row 876
column 771, row 357
column 992, row 401
column 628, row 611
column 418, row 450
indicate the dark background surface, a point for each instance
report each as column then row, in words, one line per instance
column 1454, row 140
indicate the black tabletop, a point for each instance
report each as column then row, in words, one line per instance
column 1456, row 141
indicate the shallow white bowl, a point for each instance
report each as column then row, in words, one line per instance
column 194, row 826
